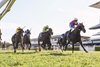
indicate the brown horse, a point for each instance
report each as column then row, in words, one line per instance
column 17, row 39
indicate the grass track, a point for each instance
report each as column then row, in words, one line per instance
column 49, row 59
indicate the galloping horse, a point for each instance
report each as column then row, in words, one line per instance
column 26, row 39
column 62, row 41
column 17, row 39
column 74, row 37
column 44, row 39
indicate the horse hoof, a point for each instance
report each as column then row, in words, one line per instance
column 29, row 49
column 86, row 51
column 39, row 49
column 14, row 51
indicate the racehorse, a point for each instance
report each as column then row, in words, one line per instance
column 62, row 41
column 26, row 39
column 17, row 39
column 74, row 37
column 44, row 39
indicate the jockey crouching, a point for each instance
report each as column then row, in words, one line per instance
column 45, row 28
column 28, row 32
column 73, row 24
column 18, row 30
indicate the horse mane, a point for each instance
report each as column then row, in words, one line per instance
column 80, row 24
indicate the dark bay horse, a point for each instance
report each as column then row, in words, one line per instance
column 74, row 37
column 17, row 39
column 62, row 41
column 26, row 39
column 44, row 39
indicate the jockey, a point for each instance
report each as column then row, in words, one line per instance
column 73, row 24
column 18, row 29
column 27, row 31
column 45, row 28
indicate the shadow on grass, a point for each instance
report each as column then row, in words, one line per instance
column 56, row 54
column 47, row 53
column 60, row 54
column 17, row 52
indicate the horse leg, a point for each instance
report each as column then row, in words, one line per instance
column 49, row 45
column 26, row 46
column 29, row 46
column 14, row 46
column 72, row 47
column 39, row 45
column 44, row 45
column 22, row 46
column 83, row 47
column 66, row 45
column 62, row 47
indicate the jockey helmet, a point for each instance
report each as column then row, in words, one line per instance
column 75, row 19
column 47, row 26
column 27, row 31
column 18, row 29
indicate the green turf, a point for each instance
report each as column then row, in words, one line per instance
column 49, row 59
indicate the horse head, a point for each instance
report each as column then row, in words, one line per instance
column 50, row 31
column 81, row 27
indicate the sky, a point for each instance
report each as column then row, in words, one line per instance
column 35, row 14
